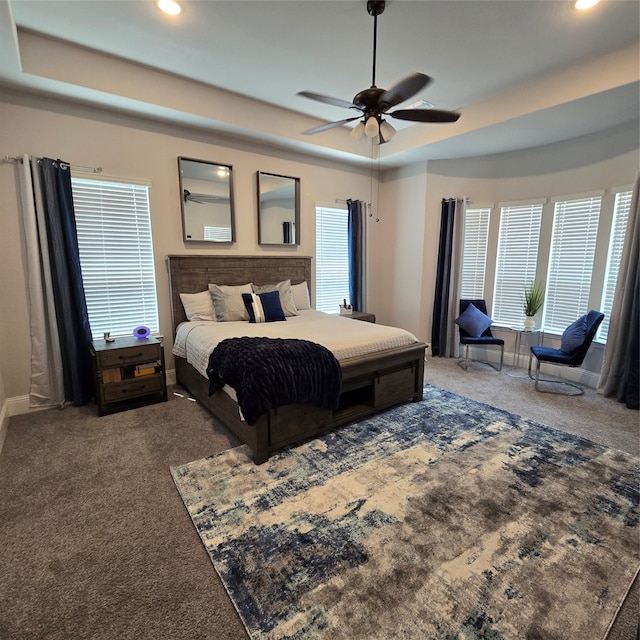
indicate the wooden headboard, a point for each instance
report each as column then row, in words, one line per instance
column 193, row 273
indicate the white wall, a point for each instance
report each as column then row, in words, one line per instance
column 128, row 147
column 396, row 250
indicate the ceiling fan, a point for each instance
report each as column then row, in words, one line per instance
column 374, row 103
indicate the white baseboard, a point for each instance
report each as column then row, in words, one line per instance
column 18, row 405
column 4, row 423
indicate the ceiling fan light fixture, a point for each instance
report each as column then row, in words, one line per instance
column 358, row 131
column 371, row 128
column 585, row 4
column 387, row 131
column 170, row 7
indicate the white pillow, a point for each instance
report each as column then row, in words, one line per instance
column 228, row 303
column 301, row 296
column 284, row 291
column 198, row 306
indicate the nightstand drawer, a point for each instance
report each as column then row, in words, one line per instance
column 126, row 389
column 128, row 355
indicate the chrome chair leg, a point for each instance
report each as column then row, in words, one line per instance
column 464, row 363
column 538, row 379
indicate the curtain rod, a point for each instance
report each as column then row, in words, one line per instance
column 70, row 166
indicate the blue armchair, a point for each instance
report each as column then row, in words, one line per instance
column 576, row 341
column 485, row 338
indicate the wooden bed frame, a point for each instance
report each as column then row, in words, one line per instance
column 369, row 383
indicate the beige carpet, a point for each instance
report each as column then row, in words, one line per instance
column 602, row 420
column 79, row 495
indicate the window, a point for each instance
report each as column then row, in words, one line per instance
column 516, row 261
column 116, row 255
column 564, row 235
column 621, row 210
column 332, row 258
column 573, row 246
column 217, row 234
column 474, row 252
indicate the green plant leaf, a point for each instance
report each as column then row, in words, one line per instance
column 533, row 299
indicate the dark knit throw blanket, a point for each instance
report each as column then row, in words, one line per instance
column 271, row 372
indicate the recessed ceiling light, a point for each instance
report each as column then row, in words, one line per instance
column 585, row 4
column 170, row 7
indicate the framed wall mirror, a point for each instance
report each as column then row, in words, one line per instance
column 278, row 209
column 206, row 197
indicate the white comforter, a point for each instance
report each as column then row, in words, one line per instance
column 344, row 337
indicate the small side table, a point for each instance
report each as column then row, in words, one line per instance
column 520, row 331
column 360, row 315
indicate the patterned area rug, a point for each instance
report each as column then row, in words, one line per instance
column 443, row 519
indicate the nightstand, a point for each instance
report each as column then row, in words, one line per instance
column 128, row 373
column 361, row 315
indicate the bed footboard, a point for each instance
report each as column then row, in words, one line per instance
column 369, row 385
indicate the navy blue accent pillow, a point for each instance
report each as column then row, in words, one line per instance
column 263, row 307
column 473, row 321
column 574, row 335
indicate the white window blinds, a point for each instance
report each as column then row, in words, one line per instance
column 573, row 244
column 621, row 210
column 217, row 234
column 116, row 255
column 332, row 258
column 516, row 261
column 474, row 252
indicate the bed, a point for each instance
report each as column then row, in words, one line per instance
column 371, row 381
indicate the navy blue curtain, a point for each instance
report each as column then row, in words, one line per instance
column 68, row 290
column 289, row 232
column 441, row 320
column 629, row 391
column 356, row 213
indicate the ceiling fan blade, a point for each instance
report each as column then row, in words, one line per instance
column 319, row 97
column 425, row 115
column 403, row 90
column 329, row 125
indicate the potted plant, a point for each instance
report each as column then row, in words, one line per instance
column 533, row 301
